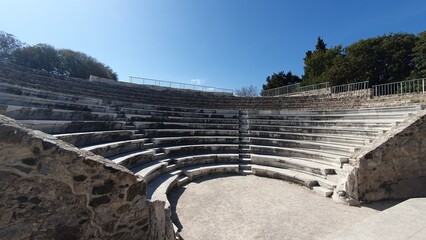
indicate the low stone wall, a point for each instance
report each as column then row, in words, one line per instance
column 52, row 190
column 363, row 93
column 394, row 167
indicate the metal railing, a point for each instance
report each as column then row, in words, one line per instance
column 404, row 87
column 314, row 87
column 280, row 90
column 349, row 87
column 170, row 84
column 293, row 88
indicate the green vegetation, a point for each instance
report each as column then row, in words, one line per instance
column 280, row 79
column 63, row 62
column 383, row 59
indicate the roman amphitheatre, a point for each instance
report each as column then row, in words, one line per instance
column 98, row 159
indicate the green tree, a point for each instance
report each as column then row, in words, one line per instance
column 8, row 44
column 383, row 59
column 81, row 65
column 280, row 79
column 321, row 46
column 419, row 57
column 318, row 64
column 41, row 56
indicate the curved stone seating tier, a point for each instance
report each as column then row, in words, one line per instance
column 16, row 90
column 358, row 116
column 134, row 112
column 81, row 139
column 9, row 99
column 115, row 148
column 34, row 113
column 185, row 150
column 186, row 125
column 134, row 158
column 173, row 141
column 57, row 127
column 316, row 155
column 317, row 145
column 375, row 123
column 332, row 138
column 166, row 119
column 349, row 131
column 293, row 176
column 129, row 107
column 303, row 164
column 159, row 187
column 166, row 132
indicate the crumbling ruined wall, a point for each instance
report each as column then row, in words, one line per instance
column 52, row 190
column 394, row 167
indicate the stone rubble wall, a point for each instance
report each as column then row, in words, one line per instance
column 52, row 190
column 394, row 166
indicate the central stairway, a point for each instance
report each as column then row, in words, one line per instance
column 244, row 143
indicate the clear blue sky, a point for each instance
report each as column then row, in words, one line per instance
column 222, row 43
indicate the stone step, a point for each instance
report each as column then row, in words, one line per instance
column 245, row 167
column 326, row 146
column 132, row 159
column 188, row 132
column 245, row 160
column 322, row 191
column 161, row 113
column 158, row 189
column 97, row 137
column 43, row 113
column 352, row 131
column 183, row 181
column 182, row 140
column 317, row 155
column 246, row 172
column 308, row 165
column 115, row 148
column 293, row 176
column 200, row 149
column 199, row 171
column 245, row 155
column 185, row 125
column 338, row 138
column 150, row 120
column 59, row 127
column 203, row 159
column 150, row 170
column 244, row 150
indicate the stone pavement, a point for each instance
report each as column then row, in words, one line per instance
column 406, row 220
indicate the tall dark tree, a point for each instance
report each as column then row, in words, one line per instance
column 419, row 57
column 47, row 58
column 383, row 59
column 8, row 44
column 319, row 62
column 280, row 79
column 78, row 64
column 41, row 56
column 321, row 46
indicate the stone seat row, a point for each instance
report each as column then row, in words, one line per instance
column 130, row 93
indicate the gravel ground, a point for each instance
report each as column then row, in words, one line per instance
column 250, row 207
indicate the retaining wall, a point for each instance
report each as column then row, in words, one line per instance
column 52, row 190
column 393, row 166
